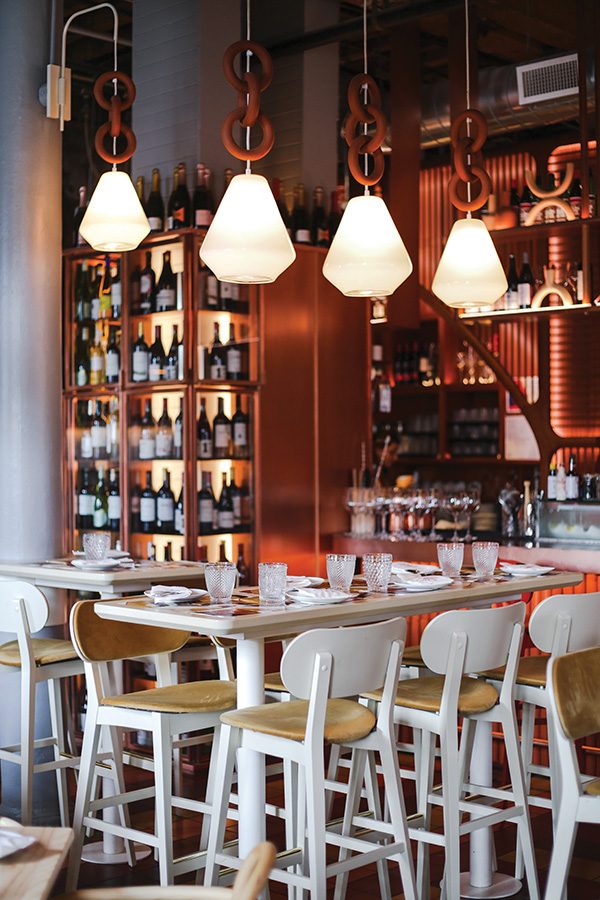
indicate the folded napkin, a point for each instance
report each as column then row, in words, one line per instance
column 12, row 841
column 170, row 591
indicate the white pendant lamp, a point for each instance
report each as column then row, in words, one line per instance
column 114, row 220
column 469, row 273
column 367, row 257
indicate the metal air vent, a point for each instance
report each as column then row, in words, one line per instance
column 547, row 79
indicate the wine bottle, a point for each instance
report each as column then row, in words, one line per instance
column 300, row 220
column 222, row 433
column 319, row 232
column 179, row 202
column 82, row 358
column 165, row 506
column 242, row 568
column 100, row 501
column 223, row 552
column 135, row 500
column 514, row 201
column 156, row 357
column 335, row 213
column 166, row 287
column 551, row 483
column 233, row 357
column 147, row 286
column 140, row 190
column 112, row 429
column 164, row 434
column 178, row 433
column 526, row 286
column 113, row 357
column 217, row 362
column 576, row 196
column 114, row 501
column 151, row 557
column 97, row 362
column 98, row 432
column 172, row 358
column 511, row 297
column 171, row 202
column 202, row 206
column 224, row 507
column 85, row 441
column 116, row 294
column 141, row 357
column 106, row 290
column 80, row 209
column 147, row 446
column 202, row 553
column 148, row 507
column 235, row 493
column 204, row 438
column 83, row 293
column 85, row 501
column 168, row 552
column 206, row 505
column 179, row 511
column 155, row 208
column 572, row 479
column 96, row 284
column 239, row 427
column 525, row 203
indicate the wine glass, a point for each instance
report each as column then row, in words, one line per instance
column 473, row 503
column 453, row 504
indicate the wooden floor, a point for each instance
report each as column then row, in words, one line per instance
column 584, row 881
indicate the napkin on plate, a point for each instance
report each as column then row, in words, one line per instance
column 12, row 841
column 161, row 592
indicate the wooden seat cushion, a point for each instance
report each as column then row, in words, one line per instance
column 531, row 671
column 45, row 650
column 196, row 696
column 412, row 657
column 345, row 721
column 592, row 787
column 273, row 682
column 426, row 693
column 198, row 640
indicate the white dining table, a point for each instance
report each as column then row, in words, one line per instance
column 249, row 626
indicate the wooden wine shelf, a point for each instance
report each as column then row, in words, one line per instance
column 507, row 315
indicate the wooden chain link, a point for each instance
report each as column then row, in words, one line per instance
column 115, row 127
column 362, row 114
column 249, row 88
column 466, row 155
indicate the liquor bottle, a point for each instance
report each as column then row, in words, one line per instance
column 141, row 354
column 549, row 214
column 222, row 433
column 83, row 293
column 164, row 434
column 242, row 568
column 140, row 190
column 281, row 206
column 514, row 201
column 179, row 511
column 172, row 358
column 156, row 357
column 165, row 506
column 98, row 432
column 168, row 552
column 151, row 557
column 78, row 215
column 100, row 501
column 233, row 356
column 239, row 429
column 112, row 429
column 202, row 553
column 526, row 286
column 217, row 361
column 135, row 500
column 223, row 552
column 335, row 214
column 116, row 293
column 202, row 205
column 561, row 215
column 155, row 207
column 551, row 484
column 561, row 483
column 171, row 201
column 300, row 220
column 180, row 375
column 114, row 501
column 178, row 433
column 579, row 295
column 147, row 434
column 82, row 358
column 423, row 363
column 591, row 197
column 206, row 505
column 85, row 441
column 572, row 481
column 224, row 507
column 166, row 287
column 97, row 363
column 113, row 357
column 106, row 290
column 235, row 493
column 525, row 203
column 147, row 286
column 179, row 212
column 204, row 438
column 211, row 291
column 148, row 507
column 511, row 297
column 576, row 196
column 319, row 232
column 85, row 502
column 95, row 284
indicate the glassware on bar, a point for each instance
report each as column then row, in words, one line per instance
column 485, row 557
column 450, row 558
column 272, row 578
column 377, row 568
column 340, row 570
column 220, row 580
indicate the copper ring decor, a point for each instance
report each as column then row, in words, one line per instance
column 114, row 127
column 466, row 150
column 362, row 114
column 249, row 88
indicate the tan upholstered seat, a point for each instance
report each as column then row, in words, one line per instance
column 273, row 682
column 346, row 720
column 592, row 787
column 412, row 657
column 426, row 693
column 198, row 640
column 45, row 650
column 531, row 671
column 197, row 696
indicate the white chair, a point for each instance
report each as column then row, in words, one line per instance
column 322, row 668
column 166, row 711
column 454, row 645
column 24, row 611
column 574, row 707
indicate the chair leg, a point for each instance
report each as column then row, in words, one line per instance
column 562, row 851
column 332, row 771
column 210, row 791
column 451, row 791
column 301, row 826
column 27, row 750
column 425, row 765
column 355, row 782
column 115, row 738
column 393, row 791
column 163, row 779
column 372, row 789
column 228, row 744
column 82, row 800
column 314, row 773
column 177, row 770
column 56, row 719
column 527, row 727
column 290, row 791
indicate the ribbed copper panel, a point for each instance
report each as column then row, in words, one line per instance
column 574, row 378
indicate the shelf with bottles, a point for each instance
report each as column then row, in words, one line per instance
column 474, row 427
column 231, row 548
column 224, row 426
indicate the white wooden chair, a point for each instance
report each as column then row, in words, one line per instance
column 454, row 645
column 322, row 668
column 167, row 711
column 574, row 707
column 23, row 612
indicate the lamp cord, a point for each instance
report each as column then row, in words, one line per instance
column 248, row 55
column 365, row 88
column 468, row 92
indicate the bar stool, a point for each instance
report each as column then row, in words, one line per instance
column 166, row 711
column 323, row 668
column 574, row 709
column 23, row 611
column 453, row 645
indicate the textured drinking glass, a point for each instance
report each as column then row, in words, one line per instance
column 96, row 546
column 220, row 580
column 450, row 558
column 272, row 580
column 340, row 570
column 485, row 557
column 377, row 568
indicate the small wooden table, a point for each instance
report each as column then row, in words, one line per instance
column 30, row 874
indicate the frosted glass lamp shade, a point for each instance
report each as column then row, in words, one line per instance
column 247, row 241
column 114, row 220
column 469, row 273
column 367, row 257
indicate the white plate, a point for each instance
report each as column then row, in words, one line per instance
column 428, row 583
column 112, row 554
column 421, row 568
column 96, row 565
column 320, row 596
column 523, row 569
column 169, row 600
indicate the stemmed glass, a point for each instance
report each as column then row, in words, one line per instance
column 471, row 501
column 420, row 507
column 434, row 501
column 453, row 504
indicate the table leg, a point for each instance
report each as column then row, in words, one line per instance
column 251, row 765
column 481, row 881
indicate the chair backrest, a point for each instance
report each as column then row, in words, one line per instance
column 566, row 622
column 575, row 678
column 102, row 640
column 16, row 595
column 488, row 633
column 360, row 657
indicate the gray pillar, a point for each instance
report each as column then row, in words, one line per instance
column 30, row 333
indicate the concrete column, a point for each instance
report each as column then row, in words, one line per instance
column 30, row 335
